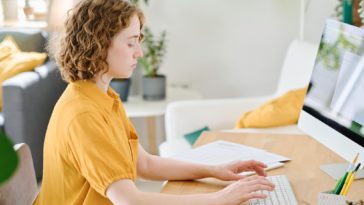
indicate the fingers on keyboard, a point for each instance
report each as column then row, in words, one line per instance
column 282, row 195
column 256, row 195
column 251, row 178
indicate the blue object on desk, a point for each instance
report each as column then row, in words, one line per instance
column 193, row 136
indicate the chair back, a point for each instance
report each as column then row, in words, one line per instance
column 297, row 66
column 21, row 189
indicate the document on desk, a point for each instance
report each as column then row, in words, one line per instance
column 219, row 152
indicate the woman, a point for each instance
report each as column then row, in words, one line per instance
column 91, row 150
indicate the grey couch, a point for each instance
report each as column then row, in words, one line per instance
column 29, row 97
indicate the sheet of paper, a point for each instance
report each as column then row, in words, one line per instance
column 269, row 157
column 220, row 152
column 270, row 166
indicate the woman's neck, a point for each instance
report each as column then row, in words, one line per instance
column 102, row 82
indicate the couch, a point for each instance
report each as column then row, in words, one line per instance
column 221, row 114
column 29, row 97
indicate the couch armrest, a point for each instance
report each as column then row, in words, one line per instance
column 28, row 101
column 186, row 116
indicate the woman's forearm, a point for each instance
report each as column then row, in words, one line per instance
column 166, row 199
column 124, row 192
column 159, row 168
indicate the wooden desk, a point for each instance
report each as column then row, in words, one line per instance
column 306, row 178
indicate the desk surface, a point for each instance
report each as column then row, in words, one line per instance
column 303, row 172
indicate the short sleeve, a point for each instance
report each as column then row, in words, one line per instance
column 101, row 155
column 133, row 132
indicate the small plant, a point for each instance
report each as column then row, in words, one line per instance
column 154, row 49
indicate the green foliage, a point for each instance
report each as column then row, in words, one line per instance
column 154, row 49
column 8, row 158
column 329, row 53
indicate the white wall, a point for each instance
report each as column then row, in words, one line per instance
column 316, row 12
column 225, row 48
column 229, row 48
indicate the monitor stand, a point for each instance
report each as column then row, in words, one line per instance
column 338, row 170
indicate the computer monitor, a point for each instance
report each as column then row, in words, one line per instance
column 333, row 110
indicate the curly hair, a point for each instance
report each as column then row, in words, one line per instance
column 82, row 51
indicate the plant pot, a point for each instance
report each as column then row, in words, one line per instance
column 121, row 86
column 10, row 9
column 28, row 11
column 154, row 88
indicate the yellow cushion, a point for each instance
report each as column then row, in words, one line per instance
column 8, row 47
column 13, row 61
column 283, row 110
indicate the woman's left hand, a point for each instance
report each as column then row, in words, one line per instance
column 231, row 170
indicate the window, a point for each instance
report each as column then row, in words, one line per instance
column 33, row 9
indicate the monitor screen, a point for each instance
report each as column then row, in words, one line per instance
column 335, row 97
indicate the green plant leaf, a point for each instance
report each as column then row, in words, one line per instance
column 8, row 158
column 329, row 52
column 154, row 49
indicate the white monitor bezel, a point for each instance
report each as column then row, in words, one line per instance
column 332, row 139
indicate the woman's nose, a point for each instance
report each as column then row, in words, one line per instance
column 139, row 53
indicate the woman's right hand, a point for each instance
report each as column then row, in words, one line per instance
column 244, row 190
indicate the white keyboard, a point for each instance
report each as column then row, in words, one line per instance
column 281, row 195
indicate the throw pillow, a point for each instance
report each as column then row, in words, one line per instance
column 18, row 62
column 29, row 40
column 193, row 136
column 283, row 110
column 8, row 47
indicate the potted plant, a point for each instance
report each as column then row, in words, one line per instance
column 154, row 49
column 28, row 10
column 122, row 86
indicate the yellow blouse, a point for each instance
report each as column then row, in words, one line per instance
column 89, row 144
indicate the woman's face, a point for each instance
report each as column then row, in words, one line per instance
column 125, row 49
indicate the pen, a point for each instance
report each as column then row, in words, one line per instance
column 348, row 179
column 351, row 180
column 351, row 166
column 348, row 186
column 337, row 184
column 355, row 159
column 346, row 183
column 340, row 186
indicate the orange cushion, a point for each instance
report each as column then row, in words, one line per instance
column 283, row 110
